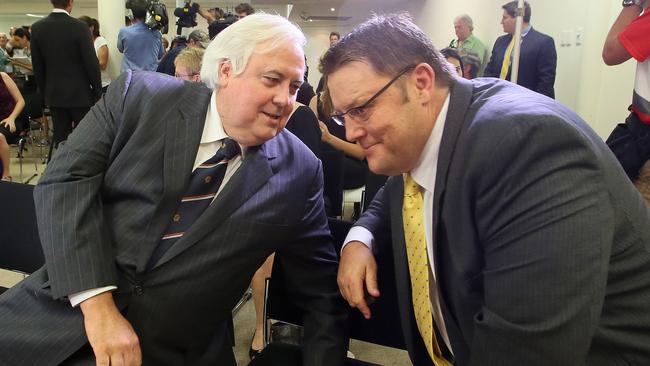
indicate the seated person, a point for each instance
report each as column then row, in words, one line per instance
column 333, row 135
column 453, row 57
column 471, row 64
column 11, row 104
column 188, row 64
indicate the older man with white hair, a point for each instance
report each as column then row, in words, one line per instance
column 464, row 28
column 162, row 204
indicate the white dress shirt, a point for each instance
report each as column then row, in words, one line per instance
column 211, row 140
column 424, row 174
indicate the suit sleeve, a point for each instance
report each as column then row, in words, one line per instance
column 376, row 218
column 90, row 61
column 545, row 223
column 546, row 66
column 311, row 264
column 77, row 246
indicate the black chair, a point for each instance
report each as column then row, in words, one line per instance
column 382, row 329
column 20, row 246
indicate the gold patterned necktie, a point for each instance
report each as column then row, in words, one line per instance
column 416, row 250
column 505, row 66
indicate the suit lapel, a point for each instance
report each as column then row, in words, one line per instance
column 254, row 172
column 461, row 95
column 183, row 130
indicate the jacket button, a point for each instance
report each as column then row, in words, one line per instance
column 138, row 290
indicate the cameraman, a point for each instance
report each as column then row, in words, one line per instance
column 218, row 20
column 141, row 46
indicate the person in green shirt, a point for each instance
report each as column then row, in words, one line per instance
column 464, row 26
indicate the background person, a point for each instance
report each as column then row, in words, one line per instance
column 101, row 49
column 467, row 41
column 141, row 46
column 538, row 58
column 630, row 141
column 11, row 104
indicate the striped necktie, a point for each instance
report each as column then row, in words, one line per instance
column 418, row 261
column 505, row 66
column 201, row 190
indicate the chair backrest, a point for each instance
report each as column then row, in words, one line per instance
column 20, row 246
column 373, row 183
column 382, row 328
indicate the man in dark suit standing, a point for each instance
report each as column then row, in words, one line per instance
column 66, row 67
column 538, row 58
column 153, row 267
column 516, row 236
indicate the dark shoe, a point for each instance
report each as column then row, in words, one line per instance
column 252, row 353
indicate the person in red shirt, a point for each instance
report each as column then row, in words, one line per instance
column 630, row 141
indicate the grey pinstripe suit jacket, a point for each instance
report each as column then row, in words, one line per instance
column 541, row 243
column 105, row 201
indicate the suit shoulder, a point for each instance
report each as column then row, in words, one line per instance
column 286, row 143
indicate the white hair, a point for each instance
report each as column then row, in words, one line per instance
column 237, row 43
column 467, row 20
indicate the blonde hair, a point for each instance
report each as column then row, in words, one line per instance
column 190, row 58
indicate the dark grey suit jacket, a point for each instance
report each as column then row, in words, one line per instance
column 537, row 62
column 106, row 199
column 65, row 63
column 542, row 245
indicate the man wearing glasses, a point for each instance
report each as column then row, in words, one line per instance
column 517, row 238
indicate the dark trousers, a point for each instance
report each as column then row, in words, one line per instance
column 64, row 120
column 630, row 142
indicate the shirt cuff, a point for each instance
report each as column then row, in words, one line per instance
column 79, row 297
column 359, row 233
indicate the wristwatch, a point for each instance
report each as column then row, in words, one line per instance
column 639, row 3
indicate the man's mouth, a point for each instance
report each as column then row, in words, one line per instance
column 272, row 116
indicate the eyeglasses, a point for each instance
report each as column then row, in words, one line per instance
column 360, row 113
column 184, row 76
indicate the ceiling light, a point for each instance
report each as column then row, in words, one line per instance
column 35, row 16
column 332, row 9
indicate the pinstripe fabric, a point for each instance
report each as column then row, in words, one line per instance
column 105, row 201
column 202, row 188
column 542, row 244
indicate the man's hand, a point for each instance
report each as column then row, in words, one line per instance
column 357, row 277
column 9, row 123
column 111, row 336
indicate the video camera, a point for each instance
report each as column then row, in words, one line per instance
column 186, row 16
column 156, row 13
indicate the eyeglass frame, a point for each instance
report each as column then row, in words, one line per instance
column 339, row 119
column 182, row 76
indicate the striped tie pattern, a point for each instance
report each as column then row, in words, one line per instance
column 201, row 190
column 418, row 261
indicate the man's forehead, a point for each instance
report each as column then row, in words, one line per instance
column 351, row 83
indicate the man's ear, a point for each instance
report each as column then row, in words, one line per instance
column 225, row 73
column 425, row 82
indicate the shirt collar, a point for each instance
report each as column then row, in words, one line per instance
column 525, row 31
column 57, row 10
column 213, row 127
column 426, row 168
